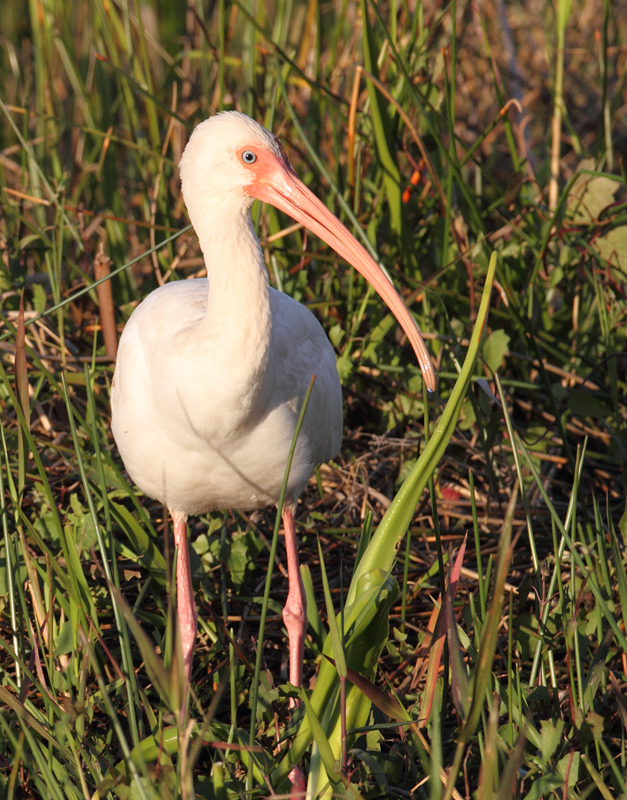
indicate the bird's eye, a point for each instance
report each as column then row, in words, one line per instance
column 248, row 157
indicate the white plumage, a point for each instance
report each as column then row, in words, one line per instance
column 201, row 427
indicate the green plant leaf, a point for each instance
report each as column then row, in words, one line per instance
column 550, row 736
column 382, row 126
column 589, row 194
column 586, row 404
column 382, row 700
column 612, row 247
column 494, row 348
column 381, row 551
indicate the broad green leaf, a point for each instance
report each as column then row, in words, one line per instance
column 595, row 724
column 345, row 368
column 336, row 334
column 383, row 701
column 613, row 247
column 589, row 194
column 64, row 643
column 494, row 348
column 243, row 551
column 568, row 766
column 586, row 404
column 543, row 787
column 550, row 737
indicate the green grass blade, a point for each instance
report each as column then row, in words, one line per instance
column 316, row 628
column 382, row 126
column 331, row 765
column 483, row 669
column 336, row 638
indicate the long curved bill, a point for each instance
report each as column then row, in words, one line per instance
column 279, row 185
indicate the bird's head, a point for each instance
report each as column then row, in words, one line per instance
column 233, row 160
column 227, row 155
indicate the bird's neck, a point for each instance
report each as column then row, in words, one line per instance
column 238, row 309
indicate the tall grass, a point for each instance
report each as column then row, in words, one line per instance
column 486, row 653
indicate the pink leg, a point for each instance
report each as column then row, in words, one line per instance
column 295, row 619
column 185, row 604
column 295, row 611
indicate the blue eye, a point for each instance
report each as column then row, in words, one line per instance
column 248, row 157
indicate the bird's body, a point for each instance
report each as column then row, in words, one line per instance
column 204, row 413
column 211, row 374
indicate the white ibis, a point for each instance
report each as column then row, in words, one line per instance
column 211, row 374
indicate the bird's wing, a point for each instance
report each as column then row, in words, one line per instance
column 301, row 349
